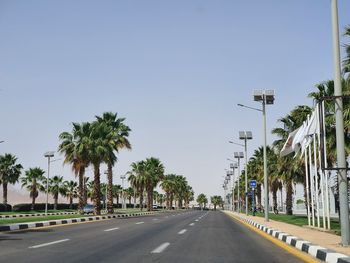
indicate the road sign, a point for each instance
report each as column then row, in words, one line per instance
column 252, row 183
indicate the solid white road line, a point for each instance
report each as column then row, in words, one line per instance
column 50, row 243
column 111, row 229
column 161, row 248
column 192, row 224
column 139, row 223
column 182, row 231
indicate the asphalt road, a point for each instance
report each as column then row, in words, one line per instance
column 193, row 236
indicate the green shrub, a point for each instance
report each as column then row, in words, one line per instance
column 5, row 208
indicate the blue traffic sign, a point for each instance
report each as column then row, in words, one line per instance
column 252, row 183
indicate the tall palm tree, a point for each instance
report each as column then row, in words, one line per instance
column 117, row 139
column 33, row 182
column 57, row 187
column 71, row 191
column 10, row 171
column 346, row 62
column 137, row 179
column 154, row 173
column 117, row 192
column 75, row 148
column 129, row 194
column 188, row 196
column 168, row 184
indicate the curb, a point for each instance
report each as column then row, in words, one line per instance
column 316, row 251
column 12, row 227
column 30, row 215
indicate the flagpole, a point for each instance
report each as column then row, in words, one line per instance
column 317, row 109
column 307, row 189
column 312, row 188
column 325, row 165
column 316, row 182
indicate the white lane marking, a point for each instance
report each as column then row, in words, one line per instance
column 111, row 229
column 139, row 223
column 155, row 219
column 182, row 231
column 192, row 224
column 50, row 243
column 196, row 220
column 161, row 248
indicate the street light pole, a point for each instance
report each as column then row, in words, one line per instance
column 266, row 188
column 239, row 155
column 339, row 122
column 48, row 155
column 246, row 135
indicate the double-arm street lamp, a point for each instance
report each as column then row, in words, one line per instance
column 246, row 135
column 239, row 156
column 233, row 166
column 265, row 97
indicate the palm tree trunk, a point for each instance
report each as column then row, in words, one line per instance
column 33, row 202
column 71, row 202
column 81, row 189
column 4, row 194
column 97, row 189
column 274, row 197
column 141, row 200
column 289, row 198
column 110, row 189
column 56, row 201
column 149, row 199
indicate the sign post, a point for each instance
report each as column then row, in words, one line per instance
column 253, row 186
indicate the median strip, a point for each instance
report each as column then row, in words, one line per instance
column 33, row 225
column 50, row 243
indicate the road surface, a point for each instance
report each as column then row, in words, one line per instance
column 192, row 236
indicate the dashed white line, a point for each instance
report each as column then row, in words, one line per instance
column 111, row 229
column 50, row 243
column 161, row 248
column 155, row 219
column 192, row 224
column 139, row 223
column 196, row 220
column 182, row 231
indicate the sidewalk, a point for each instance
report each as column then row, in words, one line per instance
column 324, row 239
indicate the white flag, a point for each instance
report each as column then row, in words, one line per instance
column 288, row 145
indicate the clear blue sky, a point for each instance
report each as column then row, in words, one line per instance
column 174, row 69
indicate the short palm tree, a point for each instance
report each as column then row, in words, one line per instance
column 71, row 191
column 10, row 171
column 33, row 181
column 216, row 200
column 137, row 179
column 57, row 187
column 154, row 172
column 168, row 184
column 202, row 200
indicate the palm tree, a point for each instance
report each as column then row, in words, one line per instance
column 9, row 173
column 75, row 148
column 116, row 140
column 90, row 190
column 117, row 192
column 202, row 200
column 33, row 182
column 129, row 194
column 154, row 172
column 188, row 196
column 346, row 62
column 181, row 187
column 57, row 187
column 216, row 200
column 168, row 184
column 137, row 179
column 71, row 191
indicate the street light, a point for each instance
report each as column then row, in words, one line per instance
column 246, row 135
column 2, row 141
column 233, row 166
column 123, row 176
column 339, row 128
column 265, row 97
column 48, row 155
column 239, row 156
